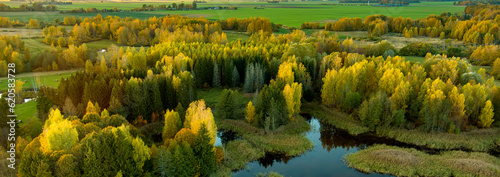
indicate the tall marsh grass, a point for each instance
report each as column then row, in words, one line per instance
column 410, row 162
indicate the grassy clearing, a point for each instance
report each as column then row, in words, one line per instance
column 212, row 97
column 100, row 44
column 50, row 79
column 410, row 162
column 22, row 32
column 35, row 46
column 25, row 110
column 336, row 118
column 233, row 36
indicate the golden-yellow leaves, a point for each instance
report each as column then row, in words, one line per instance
column 197, row 115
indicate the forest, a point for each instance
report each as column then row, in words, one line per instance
column 140, row 107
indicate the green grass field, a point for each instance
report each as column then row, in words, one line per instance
column 46, row 78
column 25, row 110
column 289, row 13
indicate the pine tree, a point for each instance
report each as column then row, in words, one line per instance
column 203, row 151
column 163, row 163
column 67, row 165
column 259, row 76
column 226, row 105
column 249, row 79
column 216, row 79
column 189, row 163
column 181, row 110
column 43, row 106
column 236, row 77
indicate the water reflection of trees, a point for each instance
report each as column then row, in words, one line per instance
column 332, row 137
column 226, row 136
column 270, row 158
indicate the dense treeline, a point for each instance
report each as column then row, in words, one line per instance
column 6, row 23
column 478, row 26
column 135, row 32
column 128, row 31
column 475, row 2
column 13, row 48
column 151, row 7
column 379, row 1
column 443, row 94
column 36, row 6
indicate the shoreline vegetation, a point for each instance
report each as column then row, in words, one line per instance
column 411, row 162
column 254, row 143
column 480, row 140
column 461, row 154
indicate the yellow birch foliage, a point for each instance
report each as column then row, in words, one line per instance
column 59, row 133
column 292, row 95
column 486, row 117
column 390, row 80
column 457, row 104
column 401, row 96
column 18, row 86
column 328, row 88
column 285, row 72
column 250, row 112
column 197, row 115
column 172, row 124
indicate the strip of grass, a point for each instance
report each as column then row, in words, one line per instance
column 410, row 162
column 336, row 118
column 482, row 140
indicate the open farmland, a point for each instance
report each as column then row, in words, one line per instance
column 292, row 14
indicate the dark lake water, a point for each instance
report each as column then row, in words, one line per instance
column 325, row 159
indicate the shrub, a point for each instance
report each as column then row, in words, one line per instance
column 417, row 49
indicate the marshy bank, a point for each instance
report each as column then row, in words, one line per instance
column 411, row 162
column 332, row 143
column 479, row 140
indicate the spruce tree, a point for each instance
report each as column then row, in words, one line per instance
column 216, row 79
column 249, row 79
column 228, row 73
column 43, row 106
column 203, row 151
column 236, row 77
column 189, row 159
column 226, row 104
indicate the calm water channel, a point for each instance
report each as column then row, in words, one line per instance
column 325, row 159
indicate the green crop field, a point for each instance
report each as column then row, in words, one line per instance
column 289, row 13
